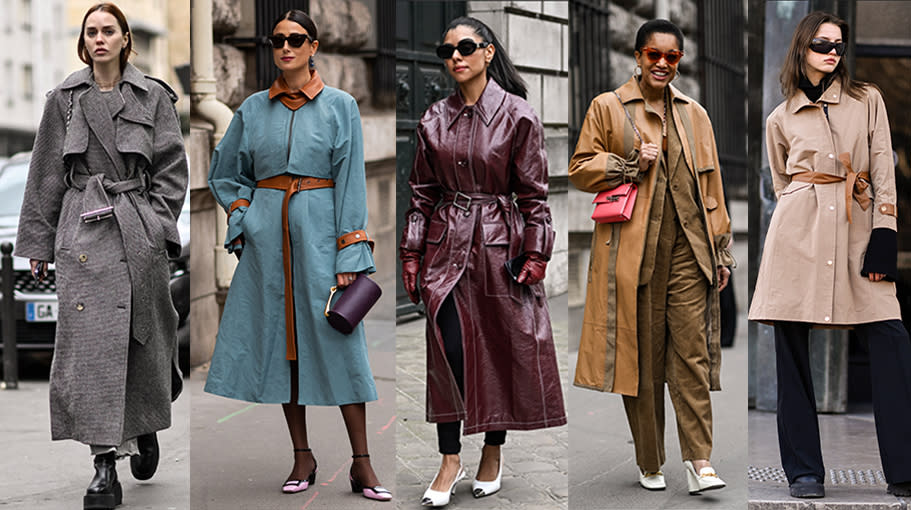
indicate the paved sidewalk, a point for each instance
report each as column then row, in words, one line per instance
column 851, row 455
column 535, row 462
column 241, row 452
column 38, row 473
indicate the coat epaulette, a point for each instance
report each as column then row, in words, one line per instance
column 167, row 88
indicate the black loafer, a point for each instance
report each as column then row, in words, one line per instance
column 143, row 466
column 104, row 492
column 902, row 489
column 807, row 486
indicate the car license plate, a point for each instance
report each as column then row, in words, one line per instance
column 41, row 312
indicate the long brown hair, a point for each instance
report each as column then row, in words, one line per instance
column 795, row 60
column 124, row 27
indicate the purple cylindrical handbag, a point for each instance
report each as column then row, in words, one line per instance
column 350, row 309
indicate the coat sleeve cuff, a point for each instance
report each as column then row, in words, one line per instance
column 621, row 170
column 234, row 227
column 723, row 250
column 355, row 258
column 414, row 233
column 882, row 254
column 538, row 239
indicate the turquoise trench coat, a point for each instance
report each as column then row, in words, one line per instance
column 265, row 139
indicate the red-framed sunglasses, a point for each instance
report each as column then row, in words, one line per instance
column 654, row 55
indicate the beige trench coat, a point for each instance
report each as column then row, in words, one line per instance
column 608, row 352
column 812, row 258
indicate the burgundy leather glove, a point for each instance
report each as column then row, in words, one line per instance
column 533, row 270
column 411, row 266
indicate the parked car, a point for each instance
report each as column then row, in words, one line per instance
column 36, row 302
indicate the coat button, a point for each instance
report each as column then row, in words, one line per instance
column 83, row 257
column 831, row 207
column 357, row 236
column 883, row 208
column 462, row 163
column 827, row 318
column 828, row 262
column 80, row 306
column 831, row 156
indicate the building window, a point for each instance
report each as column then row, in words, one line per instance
column 27, row 85
column 25, row 14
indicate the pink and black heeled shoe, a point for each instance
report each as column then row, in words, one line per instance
column 295, row 486
column 378, row 493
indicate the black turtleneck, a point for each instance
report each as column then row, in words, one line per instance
column 813, row 92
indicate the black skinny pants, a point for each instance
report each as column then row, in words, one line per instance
column 448, row 433
column 890, row 374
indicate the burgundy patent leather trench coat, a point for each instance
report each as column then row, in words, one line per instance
column 464, row 219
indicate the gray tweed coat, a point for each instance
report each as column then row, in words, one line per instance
column 94, row 150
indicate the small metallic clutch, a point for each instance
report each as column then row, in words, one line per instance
column 97, row 214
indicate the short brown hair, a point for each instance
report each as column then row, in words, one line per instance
column 795, row 60
column 124, row 27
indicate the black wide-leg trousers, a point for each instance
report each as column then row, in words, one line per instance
column 890, row 369
column 448, row 433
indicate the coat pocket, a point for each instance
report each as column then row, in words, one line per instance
column 794, row 187
column 436, row 232
column 497, row 281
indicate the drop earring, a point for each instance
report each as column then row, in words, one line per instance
column 312, row 63
column 637, row 72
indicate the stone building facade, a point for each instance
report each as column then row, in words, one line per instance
column 346, row 60
column 537, row 37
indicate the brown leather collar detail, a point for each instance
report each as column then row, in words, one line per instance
column 290, row 184
column 358, row 236
column 294, row 99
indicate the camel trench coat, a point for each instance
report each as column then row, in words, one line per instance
column 607, row 150
column 812, row 257
column 116, row 340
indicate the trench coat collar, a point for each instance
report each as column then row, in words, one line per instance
column 630, row 91
column 487, row 106
column 832, row 95
column 83, row 76
column 294, row 99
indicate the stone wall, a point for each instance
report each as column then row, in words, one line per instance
column 536, row 35
column 346, row 29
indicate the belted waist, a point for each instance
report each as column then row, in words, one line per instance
column 293, row 183
column 464, row 200
column 290, row 184
column 855, row 185
column 80, row 181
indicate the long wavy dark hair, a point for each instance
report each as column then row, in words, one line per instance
column 794, row 64
column 501, row 69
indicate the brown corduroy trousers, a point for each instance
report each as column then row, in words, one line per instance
column 672, row 348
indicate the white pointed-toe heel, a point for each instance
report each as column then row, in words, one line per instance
column 441, row 498
column 652, row 481
column 706, row 480
column 481, row 489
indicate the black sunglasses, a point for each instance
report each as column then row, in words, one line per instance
column 823, row 46
column 466, row 47
column 294, row 40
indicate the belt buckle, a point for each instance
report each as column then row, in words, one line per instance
column 455, row 201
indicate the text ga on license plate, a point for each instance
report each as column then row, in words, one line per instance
column 41, row 312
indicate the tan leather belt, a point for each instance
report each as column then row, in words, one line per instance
column 291, row 184
column 855, row 183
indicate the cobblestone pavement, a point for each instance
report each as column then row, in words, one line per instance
column 52, row 475
column 241, row 452
column 535, row 462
